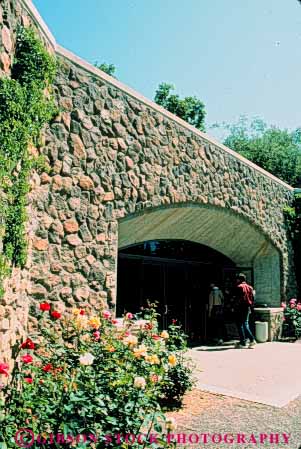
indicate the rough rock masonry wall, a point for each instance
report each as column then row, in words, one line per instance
column 113, row 155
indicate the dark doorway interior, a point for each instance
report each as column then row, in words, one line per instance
column 175, row 273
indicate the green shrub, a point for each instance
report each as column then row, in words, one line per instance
column 176, row 383
column 25, row 107
column 177, row 379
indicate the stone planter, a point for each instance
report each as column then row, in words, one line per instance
column 274, row 318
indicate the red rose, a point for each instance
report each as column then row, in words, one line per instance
column 148, row 326
column 28, row 380
column 174, row 321
column 44, row 306
column 82, row 312
column 3, row 369
column 47, row 367
column 55, row 314
column 27, row 358
column 28, row 344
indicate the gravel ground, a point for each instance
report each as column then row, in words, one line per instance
column 204, row 412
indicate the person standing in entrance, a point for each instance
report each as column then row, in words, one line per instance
column 215, row 313
column 244, row 297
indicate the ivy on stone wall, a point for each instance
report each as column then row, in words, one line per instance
column 25, row 106
column 293, row 220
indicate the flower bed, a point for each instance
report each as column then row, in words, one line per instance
column 292, row 319
column 88, row 374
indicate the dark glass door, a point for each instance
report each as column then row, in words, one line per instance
column 175, row 301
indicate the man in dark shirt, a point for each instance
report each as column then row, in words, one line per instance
column 244, row 298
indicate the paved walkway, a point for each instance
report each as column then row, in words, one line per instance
column 268, row 374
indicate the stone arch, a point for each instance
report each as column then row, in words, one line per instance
column 219, row 228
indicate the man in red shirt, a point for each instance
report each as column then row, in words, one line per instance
column 244, row 296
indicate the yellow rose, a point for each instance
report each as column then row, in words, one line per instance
column 152, row 359
column 85, row 337
column 130, row 340
column 75, row 311
column 139, row 382
column 81, row 322
column 110, row 348
column 141, row 351
column 94, row 322
column 164, row 334
column 171, row 424
column 172, row 359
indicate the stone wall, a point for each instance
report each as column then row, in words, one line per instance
column 114, row 154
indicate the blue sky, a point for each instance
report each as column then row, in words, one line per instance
column 237, row 56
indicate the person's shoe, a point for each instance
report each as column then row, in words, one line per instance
column 252, row 344
column 240, row 346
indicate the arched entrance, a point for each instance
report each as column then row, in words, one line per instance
column 227, row 244
column 177, row 275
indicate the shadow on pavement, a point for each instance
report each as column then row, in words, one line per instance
column 213, row 348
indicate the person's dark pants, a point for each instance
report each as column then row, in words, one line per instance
column 242, row 321
column 217, row 323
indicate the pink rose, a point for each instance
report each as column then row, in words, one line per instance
column 96, row 335
column 156, row 337
column 283, row 305
column 129, row 316
column 299, row 306
column 106, row 314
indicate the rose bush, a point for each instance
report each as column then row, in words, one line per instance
column 90, row 374
column 292, row 318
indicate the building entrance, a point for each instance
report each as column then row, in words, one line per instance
column 175, row 274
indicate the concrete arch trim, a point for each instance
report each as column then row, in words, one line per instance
column 192, row 204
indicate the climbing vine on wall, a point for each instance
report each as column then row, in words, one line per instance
column 293, row 219
column 25, row 106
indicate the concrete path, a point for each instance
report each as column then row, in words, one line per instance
column 268, row 374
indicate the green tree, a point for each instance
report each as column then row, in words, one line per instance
column 276, row 150
column 110, row 69
column 190, row 109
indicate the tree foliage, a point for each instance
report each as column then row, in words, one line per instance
column 110, row 69
column 276, row 150
column 190, row 109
